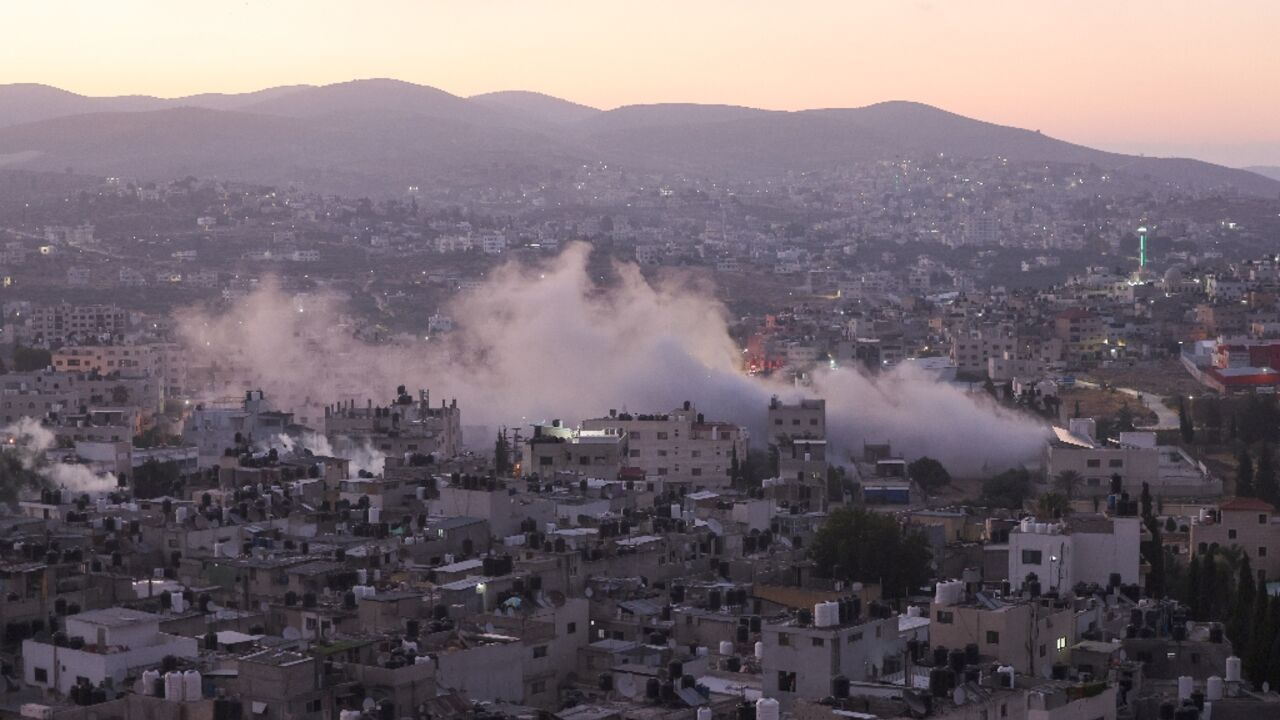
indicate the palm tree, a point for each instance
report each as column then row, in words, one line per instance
column 1053, row 505
column 1065, row 482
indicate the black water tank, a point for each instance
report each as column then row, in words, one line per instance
column 939, row 682
column 971, row 654
column 652, row 688
column 840, row 686
column 939, row 656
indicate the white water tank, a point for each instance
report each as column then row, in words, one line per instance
column 422, row 660
column 759, row 650
column 191, row 685
column 767, row 709
column 1213, row 688
column 913, row 611
column 179, row 602
column 704, row 713
column 1233, row 669
column 826, row 614
column 1028, row 525
column 1185, row 685
column 149, row 678
column 726, row 647
column 173, row 686
column 362, row 576
column 702, row 651
column 181, row 514
column 422, row 493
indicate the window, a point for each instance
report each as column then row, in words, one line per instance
column 1262, row 518
column 1093, row 463
column 634, row 434
column 696, row 472
column 539, row 651
column 993, row 637
column 819, row 642
column 310, row 623
column 571, row 628
column 584, row 460
column 662, row 471
column 1062, row 644
column 1115, row 463
column 41, row 675
column 634, row 453
column 537, row 687
column 1032, row 557
column 1262, row 551
column 545, row 460
column 784, row 639
column 946, row 617
column 1042, row 649
column 786, row 681
column 662, row 436
column 855, row 637
column 315, row 706
column 1231, row 534
column 662, row 453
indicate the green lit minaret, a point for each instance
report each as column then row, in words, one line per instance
column 1142, row 247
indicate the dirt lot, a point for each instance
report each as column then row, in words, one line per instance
column 1104, row 403
column 1160, row 377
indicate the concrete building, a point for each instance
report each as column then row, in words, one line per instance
column 677, row 447
column 1081, row 549
column 800, row 661
column 1249, row 524
column 1031, row 635
column 103, row 646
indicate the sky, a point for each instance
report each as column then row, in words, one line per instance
column 1182, row 77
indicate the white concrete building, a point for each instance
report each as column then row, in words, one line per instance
column 1085, row 548
column 103, row 645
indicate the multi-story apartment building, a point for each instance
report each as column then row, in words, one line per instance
column 677, row 447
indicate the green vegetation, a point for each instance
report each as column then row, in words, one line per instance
column 862, row 546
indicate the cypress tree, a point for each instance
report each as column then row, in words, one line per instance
column 1209, row 586
column 1265, row 476
column 1244, row 474
column 1259, row 645
column 1242, row 606
column 1193, row 590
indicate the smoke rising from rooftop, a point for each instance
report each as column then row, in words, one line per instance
column 542, row 340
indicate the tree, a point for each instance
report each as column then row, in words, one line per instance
column 1265, row 476
column 1066, row 481
column 1052, row 506
column 735, row 469
column 1153, row 551
column 1147, row 515
column 26, row 359
column 1009, row 489
column 502, row 454
column 1124, row 419
column 1184, row 423
column 1209, row 587
column 1193, row 590
column 1244, row 474
column 1241, row 605
column 929, row 473
column 1255, row 659
column 862, row 546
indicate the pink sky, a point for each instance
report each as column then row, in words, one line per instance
column 1170, row 76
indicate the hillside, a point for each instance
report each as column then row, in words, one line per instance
column 380, row 135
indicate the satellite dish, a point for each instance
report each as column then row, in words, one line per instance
column 369, row 705
column 588, row 592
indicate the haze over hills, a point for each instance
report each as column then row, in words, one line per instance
column 1271, row 171
column 381, row 135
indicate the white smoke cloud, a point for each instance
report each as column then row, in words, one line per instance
column 543, row 341
column 30, row 441
column 362, row 454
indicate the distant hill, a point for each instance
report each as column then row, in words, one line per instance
column 1271, row 171
column 380, row 135
column 536, row 106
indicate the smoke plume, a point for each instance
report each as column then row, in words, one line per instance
column 29, row 441
column 543, row 340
